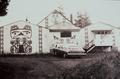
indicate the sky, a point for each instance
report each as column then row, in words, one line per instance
column 35, row 10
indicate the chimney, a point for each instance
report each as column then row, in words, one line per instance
column 71, row 18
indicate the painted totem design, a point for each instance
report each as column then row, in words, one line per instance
column 21, row 39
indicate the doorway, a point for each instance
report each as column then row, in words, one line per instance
column 21, row 49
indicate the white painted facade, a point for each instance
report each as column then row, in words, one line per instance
column 17, row 30
column 44, row 39
column 65, row 41
column 25, row 37
column 57, row 23
column 101, row 35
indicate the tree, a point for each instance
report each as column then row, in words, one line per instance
column 3, row 7
column 82, row 20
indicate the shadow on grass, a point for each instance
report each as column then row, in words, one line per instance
column 9, row 71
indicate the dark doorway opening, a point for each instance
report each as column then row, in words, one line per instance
column 21, row 49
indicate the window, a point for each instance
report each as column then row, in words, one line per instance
column 65, row 34
column 102, row 32
column 98, row 32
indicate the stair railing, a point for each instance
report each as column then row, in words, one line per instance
column 90, row 44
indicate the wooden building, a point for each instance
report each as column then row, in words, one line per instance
column 56, row 30
column 21, row 37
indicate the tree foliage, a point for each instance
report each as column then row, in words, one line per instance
column 3, row 7
column 82, row 20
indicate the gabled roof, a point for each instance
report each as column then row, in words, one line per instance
column 50, row 14
column 61, row 25
column 21, row 22
column 101, row 26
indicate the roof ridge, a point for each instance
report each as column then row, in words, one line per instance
column 22, row 21
column 108, row 24
column 13, row 22
column 58, row 13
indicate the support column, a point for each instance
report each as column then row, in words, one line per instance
column 86, row 36
column 114, row 48
column 40, row 39
column 1, row 40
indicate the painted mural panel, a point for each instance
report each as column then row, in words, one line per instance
column 21, row 39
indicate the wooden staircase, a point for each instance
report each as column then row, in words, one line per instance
column 89, row 47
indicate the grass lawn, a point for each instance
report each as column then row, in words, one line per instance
column 97, row 66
